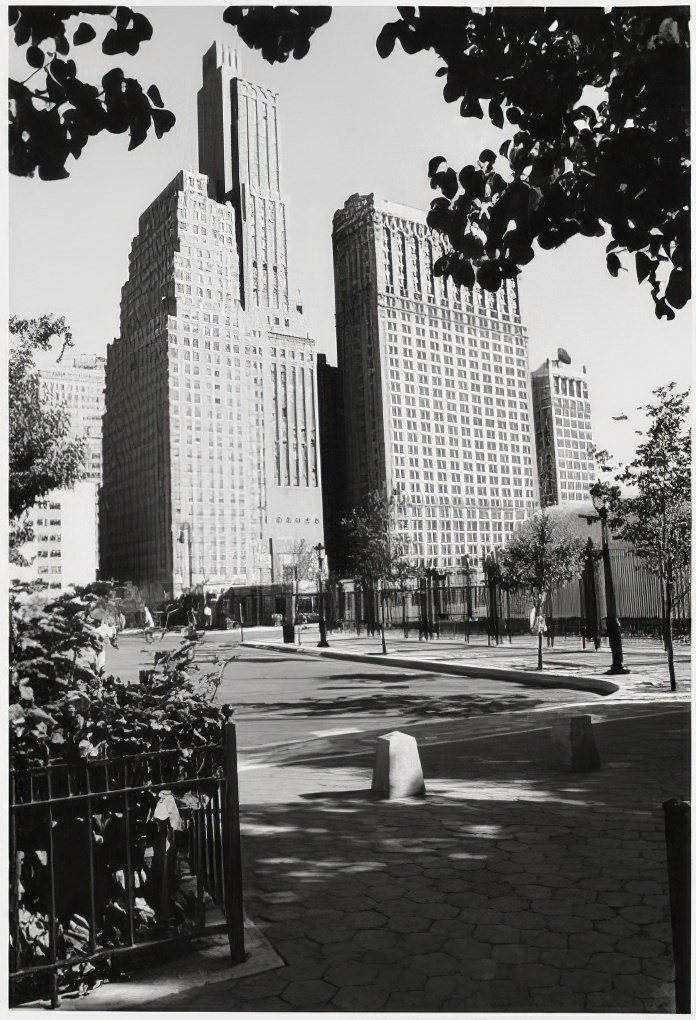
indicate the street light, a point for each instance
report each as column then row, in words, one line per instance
column 600, row 502
column 322, row 643
column 186, row 526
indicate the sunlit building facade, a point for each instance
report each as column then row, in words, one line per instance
column 563, row 432
column 211, row 470
column 436, row 388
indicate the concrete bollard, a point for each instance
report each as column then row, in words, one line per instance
column 576, row 740
column 397, row 769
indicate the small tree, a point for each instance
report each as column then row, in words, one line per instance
column 375, row 549
column 43, row 454
column 658, row 519
column 541, row 555
column 303, row 561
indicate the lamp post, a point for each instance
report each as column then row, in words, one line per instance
column 322, row 643
column 381, row 617
column 186, row 526
column 601, row 505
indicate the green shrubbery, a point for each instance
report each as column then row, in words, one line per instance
column 64, row 712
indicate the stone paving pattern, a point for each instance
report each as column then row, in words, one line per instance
column 512, row 886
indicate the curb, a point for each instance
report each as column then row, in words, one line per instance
column 579, row 683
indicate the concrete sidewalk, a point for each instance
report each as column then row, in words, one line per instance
column 565, row 664
column 512, row 886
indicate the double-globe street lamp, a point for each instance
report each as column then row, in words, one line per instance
column 600, row 501
column 322, row 643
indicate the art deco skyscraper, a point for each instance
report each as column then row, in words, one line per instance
column 563, row 431
column 436, row 388
column 210, row 440
column 243, row 167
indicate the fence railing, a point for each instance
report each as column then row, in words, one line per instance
column 453, row 605
column 112, row 856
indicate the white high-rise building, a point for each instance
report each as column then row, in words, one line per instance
column 436, row 388
column 210, row 437
column 563, row 431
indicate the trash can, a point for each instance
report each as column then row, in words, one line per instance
column 288, row 633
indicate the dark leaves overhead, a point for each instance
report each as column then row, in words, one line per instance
column 53, row 113
column 277, row 31
column 596, row 106
column 599, row 100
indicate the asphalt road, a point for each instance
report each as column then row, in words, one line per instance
column 283, row 700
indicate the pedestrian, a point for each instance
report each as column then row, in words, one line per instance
column 106, row 633
column 207, row 616
column 149, row 625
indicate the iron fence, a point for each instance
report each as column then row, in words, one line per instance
column 454, row 606
column 113, row 856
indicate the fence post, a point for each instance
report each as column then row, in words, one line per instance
column 678, row 838
column 234, row 888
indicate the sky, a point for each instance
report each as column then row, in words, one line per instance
column 350, row 122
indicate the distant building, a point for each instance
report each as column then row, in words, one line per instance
column 79, row 388
column 211, row 470
column 563, row 432
column 435, row 385
column 64, row 549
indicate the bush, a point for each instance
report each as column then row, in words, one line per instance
column 65, row 712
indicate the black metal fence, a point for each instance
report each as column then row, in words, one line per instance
column 453, row 606
column 112, row 856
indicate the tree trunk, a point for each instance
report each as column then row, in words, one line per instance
column 667, row 628
column 540, row 664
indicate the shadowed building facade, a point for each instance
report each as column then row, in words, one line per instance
column 210, row 437
column 436, row 388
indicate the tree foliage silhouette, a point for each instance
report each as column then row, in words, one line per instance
column 53, row 113
column 596, row 103
column 43, row 454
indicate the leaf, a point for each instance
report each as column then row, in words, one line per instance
column 613, row 263
column 153, row 94
column 386, row 40
column 163, row 121
column 84, row 33
column 678, row 290
column 35, row 56
column 434, row 165
column 644, row 265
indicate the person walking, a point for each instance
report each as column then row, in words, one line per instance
column 207, row 616
column 149, row 625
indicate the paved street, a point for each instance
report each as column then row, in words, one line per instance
column 280, row 698
column 513, row 885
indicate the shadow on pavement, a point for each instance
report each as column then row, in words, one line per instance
column 421, row 706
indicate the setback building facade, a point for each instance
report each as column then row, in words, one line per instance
column 211, row 470
column 436, row 388
column 563, row 432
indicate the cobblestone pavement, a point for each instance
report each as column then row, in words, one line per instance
column 512, row 886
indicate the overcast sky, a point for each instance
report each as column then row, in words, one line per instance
column 350, row 122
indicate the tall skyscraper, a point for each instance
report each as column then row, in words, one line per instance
column 210, row 437
column 64, row 549
column 563, row 431
column 436, row 388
